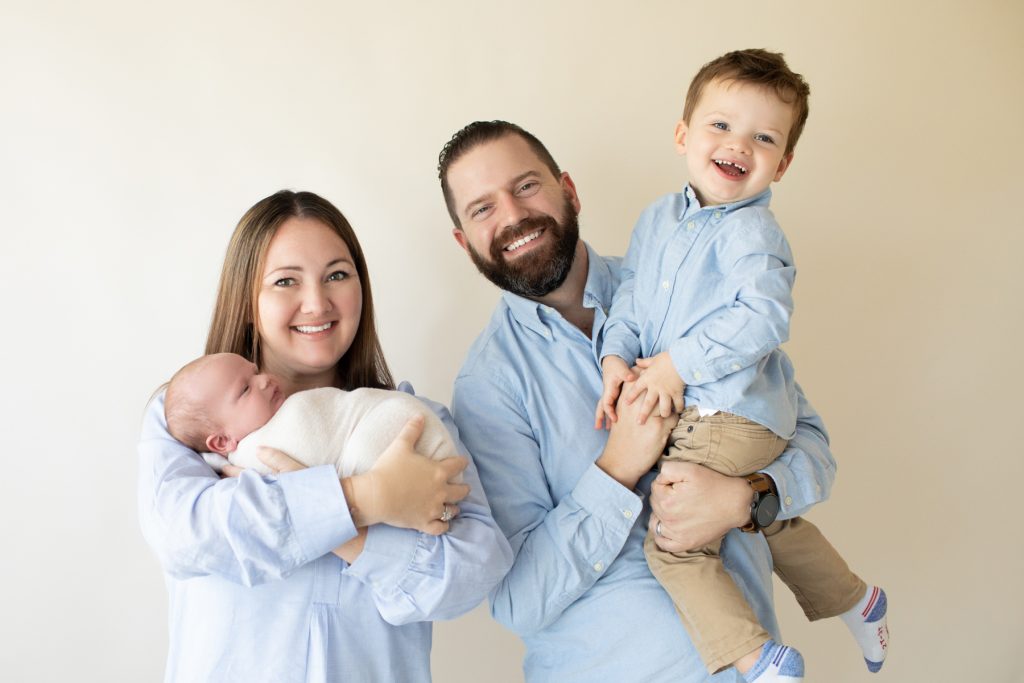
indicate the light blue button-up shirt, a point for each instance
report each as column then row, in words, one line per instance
column 580, row 593
column 712, row 286
column 256, row 595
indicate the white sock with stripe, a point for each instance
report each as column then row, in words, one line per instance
column 867, row 622
column 777, row 664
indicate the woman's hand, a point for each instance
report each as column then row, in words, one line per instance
column 406, row 489
column 696, row 505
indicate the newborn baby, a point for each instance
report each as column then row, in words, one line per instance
column 221, row 404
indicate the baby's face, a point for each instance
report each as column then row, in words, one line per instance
column 735, row 142
column 239, row 398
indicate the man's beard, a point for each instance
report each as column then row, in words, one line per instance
column 543, row 270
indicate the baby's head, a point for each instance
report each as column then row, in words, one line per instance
column 744, row 113
column 217, row 400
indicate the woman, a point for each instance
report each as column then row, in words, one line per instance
column 256, row 593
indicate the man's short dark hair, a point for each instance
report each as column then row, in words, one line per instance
column 477, row 133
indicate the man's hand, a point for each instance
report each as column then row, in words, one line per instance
column 632, row 447
column 663, row 385
column 614, row 372
column 696, row 505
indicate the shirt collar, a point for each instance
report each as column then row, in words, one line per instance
column 692, row 205
column 597, row 292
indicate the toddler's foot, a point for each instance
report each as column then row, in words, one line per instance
column 866, row 621
column 777, row 664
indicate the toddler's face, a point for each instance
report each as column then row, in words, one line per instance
column 735, row 142
column 239, row 398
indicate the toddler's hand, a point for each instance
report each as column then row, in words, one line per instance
column 663, row 385
column 614, row 372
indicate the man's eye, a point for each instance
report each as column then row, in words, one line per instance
column 337, row 276
column 527, row 187
column 479, row 211
column 285, row 282
column 761, row 137
column 721, row 125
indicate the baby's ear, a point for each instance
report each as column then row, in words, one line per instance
column 221, row 443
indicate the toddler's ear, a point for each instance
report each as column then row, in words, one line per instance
column 221, row 443
column 783, row 165
column 680, row 136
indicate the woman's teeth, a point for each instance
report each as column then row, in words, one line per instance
column 310, row 329
column 523, row 240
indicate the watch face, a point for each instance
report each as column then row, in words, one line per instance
column 767, row 510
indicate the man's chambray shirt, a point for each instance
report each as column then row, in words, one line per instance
column 713, row 287
column 580, row 593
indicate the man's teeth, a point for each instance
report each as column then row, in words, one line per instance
column 523, row 240
column 309, row 329
column 722, row 162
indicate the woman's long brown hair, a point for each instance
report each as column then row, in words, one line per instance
column 233, row 327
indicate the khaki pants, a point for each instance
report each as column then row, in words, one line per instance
column 721, row 624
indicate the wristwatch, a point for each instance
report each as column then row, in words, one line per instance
column 765, row 506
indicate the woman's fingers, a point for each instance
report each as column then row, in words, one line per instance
column 278, row 461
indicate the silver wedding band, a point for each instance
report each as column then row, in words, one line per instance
column 657, row 529
column 446, row 516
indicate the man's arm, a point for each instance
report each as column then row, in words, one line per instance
column 696, row 505
column 562, row 547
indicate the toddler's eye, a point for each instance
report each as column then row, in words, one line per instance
column 761, row 137
column 721, row 125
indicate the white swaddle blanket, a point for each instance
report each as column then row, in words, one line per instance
column 347, row 429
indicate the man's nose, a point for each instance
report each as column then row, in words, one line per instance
column 512, row 211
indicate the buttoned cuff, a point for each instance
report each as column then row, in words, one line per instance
column 791, row 500
column 319, row 513
column 617, row 507
column 622, row 345
column 688, row 358
column 386, row 556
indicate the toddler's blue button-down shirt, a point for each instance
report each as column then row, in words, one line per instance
column 713, row 287
column 580, row 593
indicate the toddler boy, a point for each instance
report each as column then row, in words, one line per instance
column 704, row 304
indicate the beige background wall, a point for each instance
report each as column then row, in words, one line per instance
column 133, row 136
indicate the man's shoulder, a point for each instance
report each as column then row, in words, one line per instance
column 490, row 350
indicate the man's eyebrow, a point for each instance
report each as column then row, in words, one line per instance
column 512, row 183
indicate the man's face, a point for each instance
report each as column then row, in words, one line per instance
column 518, row 221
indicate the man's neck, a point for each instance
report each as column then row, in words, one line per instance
column 568, row 298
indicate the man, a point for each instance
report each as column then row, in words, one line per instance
column 570, row 497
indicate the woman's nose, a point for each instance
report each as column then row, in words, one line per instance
column 315, row 300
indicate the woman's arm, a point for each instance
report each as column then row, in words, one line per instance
column 248, row 529
column 416, row 576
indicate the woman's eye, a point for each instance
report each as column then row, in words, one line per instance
column 285, row 282
column 721, row 125
column 761, row 137
column 337, row 276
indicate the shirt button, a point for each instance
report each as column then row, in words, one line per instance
column 696, row 374
column 735, row 367
column 599, row 566
column 690, row 226
column 789, row 500
column 718, row 214
column 628, row 514
column 665, row 284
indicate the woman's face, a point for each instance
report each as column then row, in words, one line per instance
column 308, row 305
